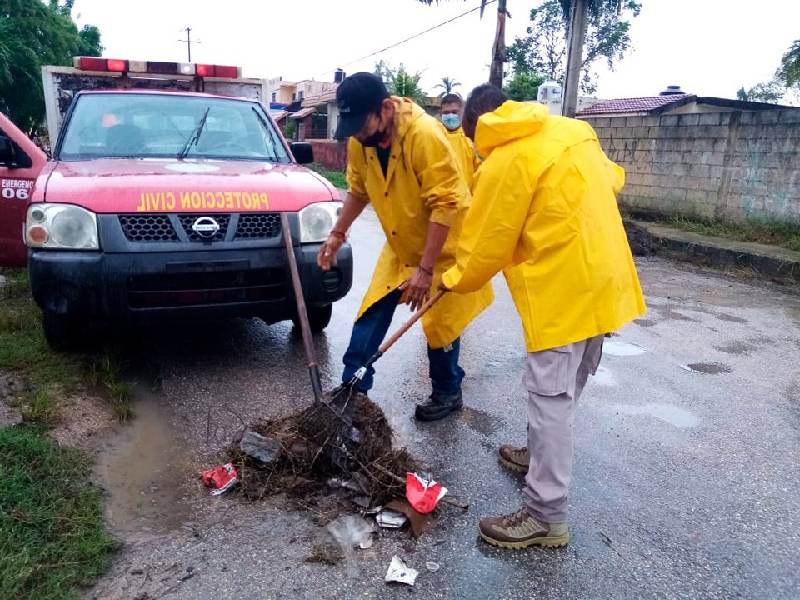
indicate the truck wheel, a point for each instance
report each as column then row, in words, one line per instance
column 318, row 317
column 63, row 333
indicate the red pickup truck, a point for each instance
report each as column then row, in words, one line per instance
column 163, row 204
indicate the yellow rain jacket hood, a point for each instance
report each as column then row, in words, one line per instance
column 422, row 184
column 544, row 209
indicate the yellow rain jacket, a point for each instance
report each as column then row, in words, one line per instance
column 422, row 185
column 465, row 155
column 545, row 197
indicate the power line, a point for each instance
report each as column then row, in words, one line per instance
column 408, row 39
column 189, row 41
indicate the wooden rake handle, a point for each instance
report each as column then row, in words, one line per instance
column 410, row 323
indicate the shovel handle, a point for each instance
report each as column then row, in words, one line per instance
column 302, row 313
column 408, row 324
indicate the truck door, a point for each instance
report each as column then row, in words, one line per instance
column 20, row 163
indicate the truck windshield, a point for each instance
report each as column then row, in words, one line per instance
column 159, row 126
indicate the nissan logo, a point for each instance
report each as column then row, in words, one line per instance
column 205, row 227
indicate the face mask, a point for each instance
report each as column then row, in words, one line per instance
column 451, row 120
column 373, row 140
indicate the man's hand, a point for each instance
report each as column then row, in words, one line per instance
column 417, row 289
column 327, row 252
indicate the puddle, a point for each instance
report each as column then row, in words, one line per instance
column 604, row 377
column 673, row 315
column 480, row 421
column 730, row 318
column 143, row 470
column 663, row 412
column 645, row 322
column 614, row 347
column 737, row 348
column 710, row 368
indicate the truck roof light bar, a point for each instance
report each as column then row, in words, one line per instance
column 114, row 65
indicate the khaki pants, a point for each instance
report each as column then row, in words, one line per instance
column 555, row 379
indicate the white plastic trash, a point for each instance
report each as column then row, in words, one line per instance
column 400, row 572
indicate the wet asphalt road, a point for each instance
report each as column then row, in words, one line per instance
column 687, row 479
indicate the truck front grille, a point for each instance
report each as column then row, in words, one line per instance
column 158, row 227
column 172, row 290
column 148, row 228
column 258, row 226
column 188, row 220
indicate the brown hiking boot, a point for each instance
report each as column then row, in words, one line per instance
column 516, row 459
column 520, row 530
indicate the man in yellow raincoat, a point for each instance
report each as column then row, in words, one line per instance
column 544, row 208
column 399, row 161
column 450, row 115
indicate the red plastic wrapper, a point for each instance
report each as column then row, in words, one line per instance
column 423, row 494
column 222, row 478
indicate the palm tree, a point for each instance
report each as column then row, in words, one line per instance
column 499, row 47
column 447, row 86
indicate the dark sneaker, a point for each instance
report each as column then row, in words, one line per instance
column 516, row 459
column 521, row 530
column 438, row 406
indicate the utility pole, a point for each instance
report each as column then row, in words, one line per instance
column 499, row 47
column 189, row 41
column 577, row 33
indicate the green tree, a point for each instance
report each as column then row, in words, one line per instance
column 447, row 85
column 544, row 48
column 400, row 82
column 523, row 86
column 33, row 34
column 405, row 84
column 789, row 71
column 784, row 87
column 771, row 91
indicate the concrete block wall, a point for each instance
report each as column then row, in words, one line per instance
column 331, row 154
column 734, row 166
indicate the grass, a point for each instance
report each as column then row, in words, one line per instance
column 52, row 537
column 775, row 234
column 49, row 374
column 104, row 371
column 337, row 178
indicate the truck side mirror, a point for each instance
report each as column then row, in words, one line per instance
column 6, row 152
column 303, row 153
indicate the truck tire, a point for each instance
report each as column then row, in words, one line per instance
column 63, row 333
column 318, row 317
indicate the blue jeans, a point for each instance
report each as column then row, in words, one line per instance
column 368, row 333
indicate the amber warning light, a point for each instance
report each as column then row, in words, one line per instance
column 114, row 65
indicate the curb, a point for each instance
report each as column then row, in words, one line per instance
column 647, row 239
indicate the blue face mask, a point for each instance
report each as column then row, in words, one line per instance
column 451, row 120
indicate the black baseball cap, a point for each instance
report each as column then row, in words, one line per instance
column 358, row 96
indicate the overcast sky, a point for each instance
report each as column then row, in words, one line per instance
column 709, row 47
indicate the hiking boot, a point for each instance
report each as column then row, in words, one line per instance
column 438, row 406
column 516, row 459
column 520, row 530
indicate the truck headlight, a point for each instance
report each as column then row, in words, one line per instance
column 61, row 226
column 317, row 220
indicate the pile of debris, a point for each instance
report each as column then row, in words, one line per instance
column 322, row 447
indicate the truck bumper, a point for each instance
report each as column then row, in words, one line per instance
column 142, row 286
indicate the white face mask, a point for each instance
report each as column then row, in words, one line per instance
column 451, row 120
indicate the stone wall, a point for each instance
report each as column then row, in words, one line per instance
column 331, row 154
column 733, row 166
